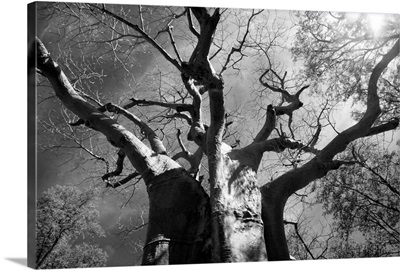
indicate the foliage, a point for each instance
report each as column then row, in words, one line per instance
column 341, row 50
column 66, row 214
column 364, row 202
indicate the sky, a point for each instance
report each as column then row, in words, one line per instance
column 13, row 253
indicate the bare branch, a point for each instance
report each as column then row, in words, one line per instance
column 144, row 35
column 174, row 43
column 280, row 90
column 239, row 48
column 295, row 225
column 315, row 137
column 182, row 116
column 88, row 97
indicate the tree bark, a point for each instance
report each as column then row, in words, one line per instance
column 179, row 224
column 237, row 227
column 273, row 204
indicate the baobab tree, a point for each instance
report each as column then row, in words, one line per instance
column 237, row 218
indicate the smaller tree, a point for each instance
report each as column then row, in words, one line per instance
column 364, row 202
column 65, row 214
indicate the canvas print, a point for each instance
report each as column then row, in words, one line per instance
column 193, row 135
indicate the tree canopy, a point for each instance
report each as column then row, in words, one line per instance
column 65, row 215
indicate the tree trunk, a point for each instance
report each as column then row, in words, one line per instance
column 237, row 227
column 273, row 204
column 179, row 220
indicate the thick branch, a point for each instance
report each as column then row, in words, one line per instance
column 117, row 172
column 278, row 145
column 281, row 89
column 195, row 112
column 197, row 131
column 363, row 127
column 290, row 182
column 193, row 158
column 392, row 124
column 156, row 144
column 293, row 100
column 123, row 181
column 315, row 137
column 208, row 24
column 179, row 107
column 182, row 116
column 200, row 69
column 178, row 136
column 141, row 157
column 269, row 125
column 217, row 125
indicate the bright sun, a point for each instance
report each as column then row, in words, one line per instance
column 376, row 22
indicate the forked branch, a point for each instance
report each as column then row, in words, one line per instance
column 293, row 100
column 117, row 172
column 119, row 168
column 193, row 158
column 239, row 48
column 156, row 144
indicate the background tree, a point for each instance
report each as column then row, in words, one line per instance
column 236, row 220
column 65, row 215
column 364, row 199
column 360, row 208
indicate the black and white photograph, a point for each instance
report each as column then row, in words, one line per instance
column 164, row 134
